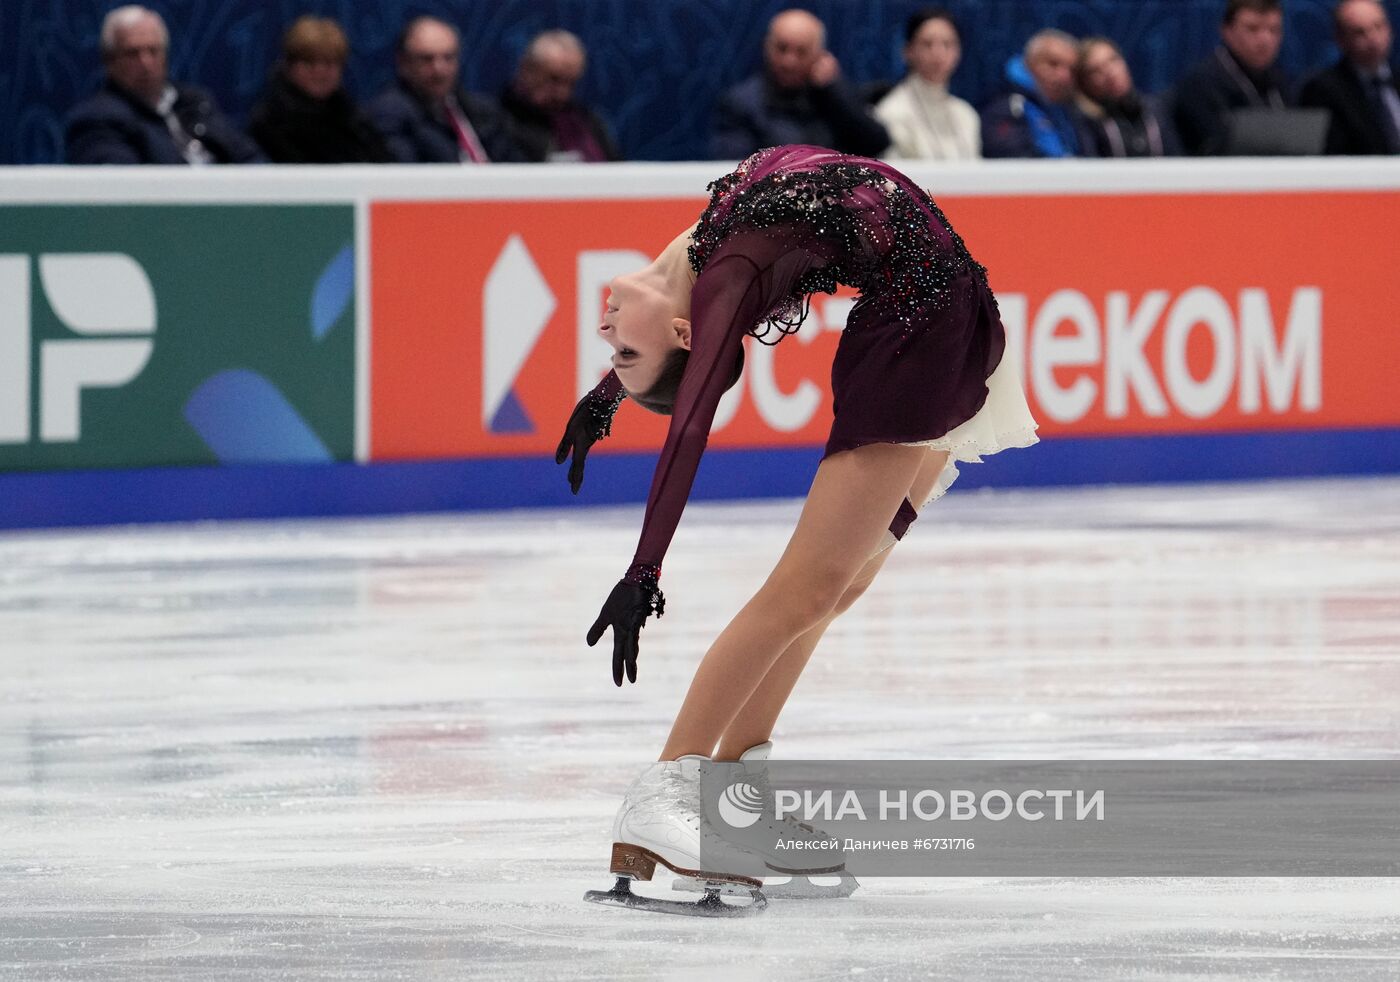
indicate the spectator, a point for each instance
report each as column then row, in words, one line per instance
column 1037, row 118
column 923, row 120
column 306, row 116
column 1122, row 121
column 138, row 116
column 1360, row 88
column 426, row 117
column 1240, row 74
column 550, row 123
column 799, row 97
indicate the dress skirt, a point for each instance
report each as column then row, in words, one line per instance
column 922, row 357
column 947, row 381
column 1003, row 422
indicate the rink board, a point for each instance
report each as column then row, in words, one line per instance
column 303, row 341
column 267, row 491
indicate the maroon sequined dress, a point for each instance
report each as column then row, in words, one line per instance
column 919, row 346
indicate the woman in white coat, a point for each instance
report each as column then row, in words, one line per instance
column 924, row 121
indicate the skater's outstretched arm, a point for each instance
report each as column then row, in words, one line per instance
column 745, row 280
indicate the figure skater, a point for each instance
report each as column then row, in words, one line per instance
column 919, row 382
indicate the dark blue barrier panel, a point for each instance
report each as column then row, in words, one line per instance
column 185, row 494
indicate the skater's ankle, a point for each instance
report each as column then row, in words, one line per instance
column 730, row 753
column 668, row 756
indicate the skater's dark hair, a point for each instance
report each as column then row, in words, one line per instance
column 661, row 397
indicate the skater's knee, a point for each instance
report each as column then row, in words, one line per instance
column 860, row 584
column 807, row 596
column 853, row 593
column 815, row 593
column 821, row 599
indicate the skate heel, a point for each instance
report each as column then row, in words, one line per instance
column 630, row 860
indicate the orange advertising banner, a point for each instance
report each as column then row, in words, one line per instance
column 1131, row 314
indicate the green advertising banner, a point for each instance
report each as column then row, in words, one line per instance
column 139, row 335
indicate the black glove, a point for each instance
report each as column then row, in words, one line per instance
column 590, row 421
column 625, row 611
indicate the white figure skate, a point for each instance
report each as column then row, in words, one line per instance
column 661, row 821
column 812, row 874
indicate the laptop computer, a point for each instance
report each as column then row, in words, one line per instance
column 1276, row 132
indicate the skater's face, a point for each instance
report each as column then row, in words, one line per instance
column 640, row 324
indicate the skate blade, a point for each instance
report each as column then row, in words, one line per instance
column 825, row 886
column 834, row 887
column 692, row 884
column 709, row 905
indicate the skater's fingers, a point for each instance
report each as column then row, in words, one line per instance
column 630, row 639
column 620, row 636
column 619, row 656
column 562, row 453
column 596, row 631
column 576, row 468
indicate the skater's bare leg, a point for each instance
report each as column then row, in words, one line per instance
column 754, row 723
column 755, row 720
column 927, row 477
column 843, row 521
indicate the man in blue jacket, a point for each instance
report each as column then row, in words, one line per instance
column 426, row 117
column 138, row 116
column 1037, row 117
column 799, row 97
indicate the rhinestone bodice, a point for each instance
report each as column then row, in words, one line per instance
column 875, row 229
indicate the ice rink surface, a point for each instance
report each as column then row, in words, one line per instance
column 380, row 749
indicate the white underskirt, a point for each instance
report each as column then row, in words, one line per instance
column 1003, row 422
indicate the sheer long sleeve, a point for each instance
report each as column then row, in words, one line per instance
column 745, row 279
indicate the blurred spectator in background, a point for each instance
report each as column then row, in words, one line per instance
column 306, row 116
column 138, row 116
column 799, row 97
column 1240, row 74
column 923, row 120
column 426, row 117
column 1037, row 118
column 1122, row 122
column 1360, row 89
column 550, row 123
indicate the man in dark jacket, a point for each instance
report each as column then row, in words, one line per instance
column 550, row 122
column 138, row 116
column 1360, row 89
column 799, row 97
column 1037, row 117
column 425, row 117
column 1240, row 74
